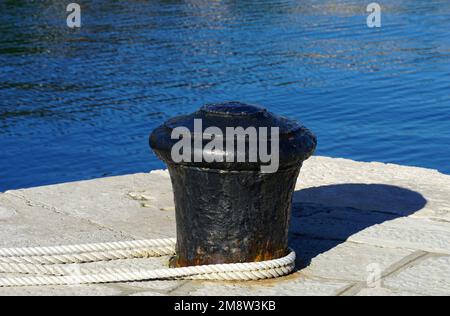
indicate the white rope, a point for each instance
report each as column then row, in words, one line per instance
column 55, row 265
column 44, row 251
column 91, row 256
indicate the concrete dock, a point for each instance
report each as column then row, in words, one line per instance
column 358, row 229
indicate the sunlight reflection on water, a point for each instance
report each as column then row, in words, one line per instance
column 80, row 104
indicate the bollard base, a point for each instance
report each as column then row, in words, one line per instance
column 229, row 216
column 177, row 262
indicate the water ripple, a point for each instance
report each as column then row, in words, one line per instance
column 78, row 104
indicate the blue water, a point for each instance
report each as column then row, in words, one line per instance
column 79, row 104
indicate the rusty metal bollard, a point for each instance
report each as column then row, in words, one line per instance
column 230, row 209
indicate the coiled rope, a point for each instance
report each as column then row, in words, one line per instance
column 48, row 265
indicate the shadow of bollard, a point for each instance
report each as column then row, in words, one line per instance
column 334, row 213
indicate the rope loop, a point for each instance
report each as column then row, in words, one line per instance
column 54, row 265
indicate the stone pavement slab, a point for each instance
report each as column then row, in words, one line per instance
column 139, row 205
column 296, row 284
column 29, row 224
column 430, row 276
column 345, row 261
column 358, row 229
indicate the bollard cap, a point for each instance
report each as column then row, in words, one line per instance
column 221, row 123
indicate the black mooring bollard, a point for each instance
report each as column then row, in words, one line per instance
column 230, row 209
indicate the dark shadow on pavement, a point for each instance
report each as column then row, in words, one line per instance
column 324, row 217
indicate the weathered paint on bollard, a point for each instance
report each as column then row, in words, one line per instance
column 230, row 212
